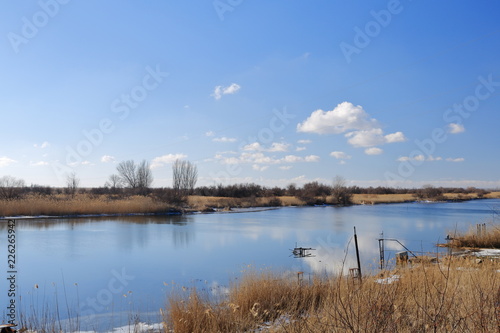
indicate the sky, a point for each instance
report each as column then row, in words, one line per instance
column 382, row 93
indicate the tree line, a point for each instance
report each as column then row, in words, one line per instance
column 132, row 178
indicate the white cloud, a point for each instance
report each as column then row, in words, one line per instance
column 395, row 137
column 285, row 167
column 260, row 168
column 219, row 91
column 107, row 159
column 40, row 163
column 304, row 142
column 292, row 158
column 166, row 159
column 224, row 139
column 311, row 158
column 340, row 155
column 275, row 147
column 5, row 161
column 86, row 163
column 420, row 158
column 345, row 117
column 260, row 158
column 210, row 133
column 454, row 128
column 459, row 159
column 253, row 147
column 373, row 151
column 43, row 145
column 373, row 137
column 300, row 148
column 358, row 127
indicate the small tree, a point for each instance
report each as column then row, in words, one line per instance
column 10, row 187
column 432, row 193
column 114, row 183
column 341, row 193
column 72, row 183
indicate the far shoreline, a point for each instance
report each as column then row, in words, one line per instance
column 225, row 205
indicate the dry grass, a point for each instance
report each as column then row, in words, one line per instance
column 201, row 202
column 58, row 205
column 474, row 238
column 397, row 198
column 493, row 195
column 451, row 297
column 381, row 198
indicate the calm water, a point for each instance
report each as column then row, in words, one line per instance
column 111, row 270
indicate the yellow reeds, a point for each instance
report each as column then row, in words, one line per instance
column 479, row 236
column 58, row 205
column 456, row 296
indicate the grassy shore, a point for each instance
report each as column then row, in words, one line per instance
column 82, row 204
column 457, row 295
column 398, row 198
column 486, row 237
column 86, row 204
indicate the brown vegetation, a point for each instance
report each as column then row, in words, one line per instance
column 452, row 297
column 36, row 201
column 479, row 236
column 80, row 204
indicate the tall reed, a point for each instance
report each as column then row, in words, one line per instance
column 458, row 296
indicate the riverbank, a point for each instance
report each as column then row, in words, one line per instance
column 455, row 295
column 61, row 205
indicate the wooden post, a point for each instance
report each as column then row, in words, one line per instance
column 357, row 253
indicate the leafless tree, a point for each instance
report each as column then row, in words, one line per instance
column 342, row 194
column 144, row 175
column 72, row 183
column 126, row 171
column 136, row 176
column 114, row 182
column 185, row 176
column 10, row 187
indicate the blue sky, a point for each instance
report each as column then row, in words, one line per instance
column 398, row 93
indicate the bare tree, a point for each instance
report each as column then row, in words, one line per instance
column 184, row 176
column 144, row 175
column 114, row 182
column 342, row 194
column 72, row 183
column 136, row 176
column 126, row 171
column 10, row 187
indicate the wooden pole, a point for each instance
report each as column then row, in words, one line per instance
column 357, row 253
